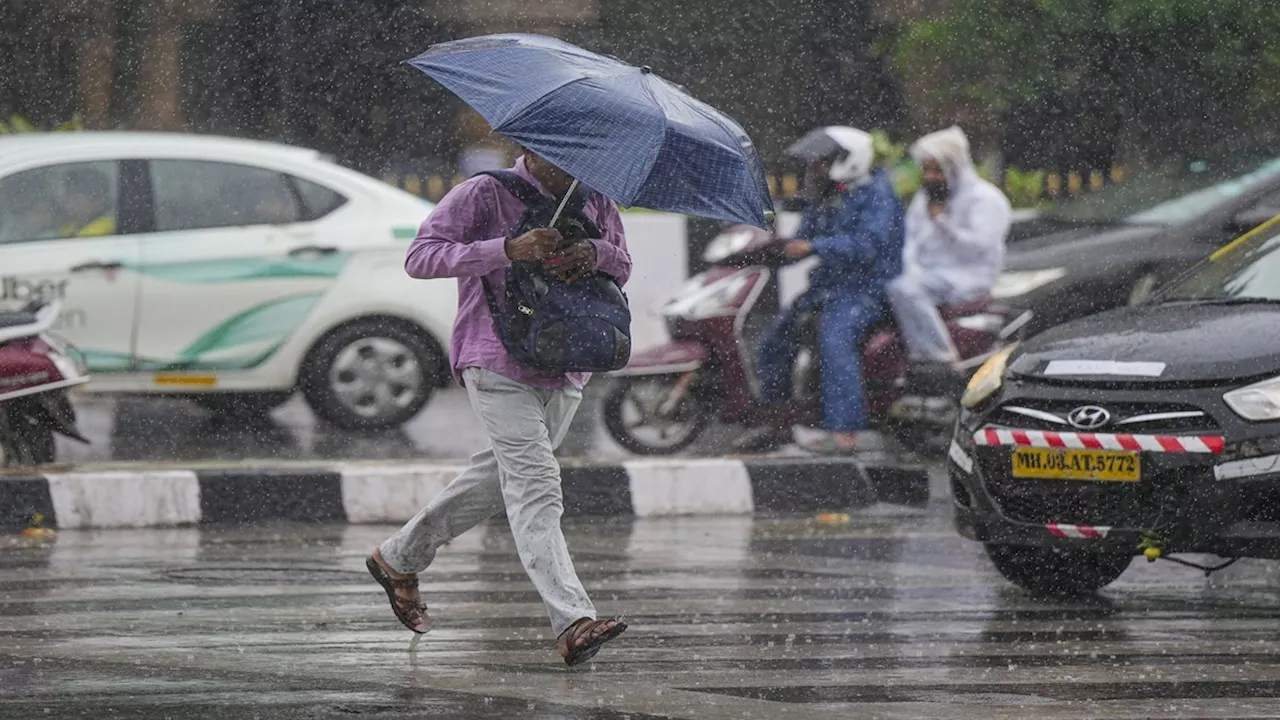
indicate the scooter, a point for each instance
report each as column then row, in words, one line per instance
column 664, row 399
column 37, row 369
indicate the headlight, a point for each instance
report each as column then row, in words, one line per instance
column 726, row 244
column 988, row 379
column 707, row 301
column 1021, row 282
column 1257, row 402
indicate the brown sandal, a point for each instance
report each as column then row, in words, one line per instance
column 580, row 651
column 409, row 613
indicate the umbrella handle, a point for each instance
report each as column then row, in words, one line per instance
column 563, row 202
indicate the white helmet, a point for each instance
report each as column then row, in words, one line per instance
column 853, row 149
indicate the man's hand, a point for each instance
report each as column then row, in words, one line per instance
column 936, row 209
column 537, row 244
column 799, row 248
column 574, row 262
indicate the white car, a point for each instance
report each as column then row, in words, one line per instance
column 230, row 271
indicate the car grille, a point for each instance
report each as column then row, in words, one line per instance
column 1136, row 418
column 1155, row 502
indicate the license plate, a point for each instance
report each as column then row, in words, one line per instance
column 1071, row 464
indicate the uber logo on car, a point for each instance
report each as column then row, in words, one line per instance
column 17, row 288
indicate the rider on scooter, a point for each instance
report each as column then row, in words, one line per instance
column 853, row 223
column 956, row 228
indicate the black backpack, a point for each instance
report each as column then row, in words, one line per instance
column 545, row 323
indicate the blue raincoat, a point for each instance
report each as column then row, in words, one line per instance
column 858, row 239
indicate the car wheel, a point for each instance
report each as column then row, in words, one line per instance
column 242, row 404
column 1057, row 572
column 371, row 374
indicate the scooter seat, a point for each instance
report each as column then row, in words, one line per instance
column 16, row 319
column 968, row 307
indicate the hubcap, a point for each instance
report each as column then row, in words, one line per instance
column 376, row 377
column 640, row 416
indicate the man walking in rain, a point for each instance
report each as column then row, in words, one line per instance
column 526, row 413
column 854, row 226
column 956, row 228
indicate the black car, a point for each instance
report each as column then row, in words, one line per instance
column 1115, row 246
column 1152, row 429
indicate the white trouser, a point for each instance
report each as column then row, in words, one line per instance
column 915, row 296
column 518, row 472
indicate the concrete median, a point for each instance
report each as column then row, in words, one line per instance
column 382, row 492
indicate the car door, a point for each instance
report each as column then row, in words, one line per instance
column 67, row 232
column 232, row 266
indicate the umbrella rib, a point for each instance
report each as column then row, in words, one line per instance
column 653, row 153
column 529, row 105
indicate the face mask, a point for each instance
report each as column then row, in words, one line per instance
column 937, row 191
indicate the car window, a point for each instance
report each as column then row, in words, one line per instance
column 1173, row 192
column 1248, row 268
column 1264, row 208
column 1183, row 209
column 317, row 200
column 73, row 200
column 194, row 194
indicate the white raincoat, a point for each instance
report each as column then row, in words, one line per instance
column 961, row 252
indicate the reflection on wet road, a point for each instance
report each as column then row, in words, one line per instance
column 142, row 429
column 158, row 429
column 889, row 616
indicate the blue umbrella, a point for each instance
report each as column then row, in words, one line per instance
column 619, row 129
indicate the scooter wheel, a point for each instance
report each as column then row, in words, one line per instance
column 25, row 441
column 630, row 415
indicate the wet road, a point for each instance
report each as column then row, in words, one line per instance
column 889, row 616
column 141, row 429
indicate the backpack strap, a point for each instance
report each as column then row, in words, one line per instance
column 527, row 193
column 522, row 189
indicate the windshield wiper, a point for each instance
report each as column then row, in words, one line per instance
column 1226, row 301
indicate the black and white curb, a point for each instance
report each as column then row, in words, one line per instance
column 373, row 493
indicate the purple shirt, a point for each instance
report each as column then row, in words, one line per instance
column 464, row 238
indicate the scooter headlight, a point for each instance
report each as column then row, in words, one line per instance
column 1259, row 402
column 727, row 244
column 708, row 301
column 988, row 379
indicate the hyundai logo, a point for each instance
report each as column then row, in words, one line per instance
column 1088, row 417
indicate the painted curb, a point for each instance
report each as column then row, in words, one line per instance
column 394, row 492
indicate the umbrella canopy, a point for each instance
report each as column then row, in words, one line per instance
column 619, row 129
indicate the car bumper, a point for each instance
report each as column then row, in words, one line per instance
column 1215, row 491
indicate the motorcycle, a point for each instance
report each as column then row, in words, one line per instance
column 665, row 397
column 37, row 368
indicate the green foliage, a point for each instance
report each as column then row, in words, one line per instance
column 1025, row 188
column 18, row 124
column 1175, row 68
column 905, row 176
